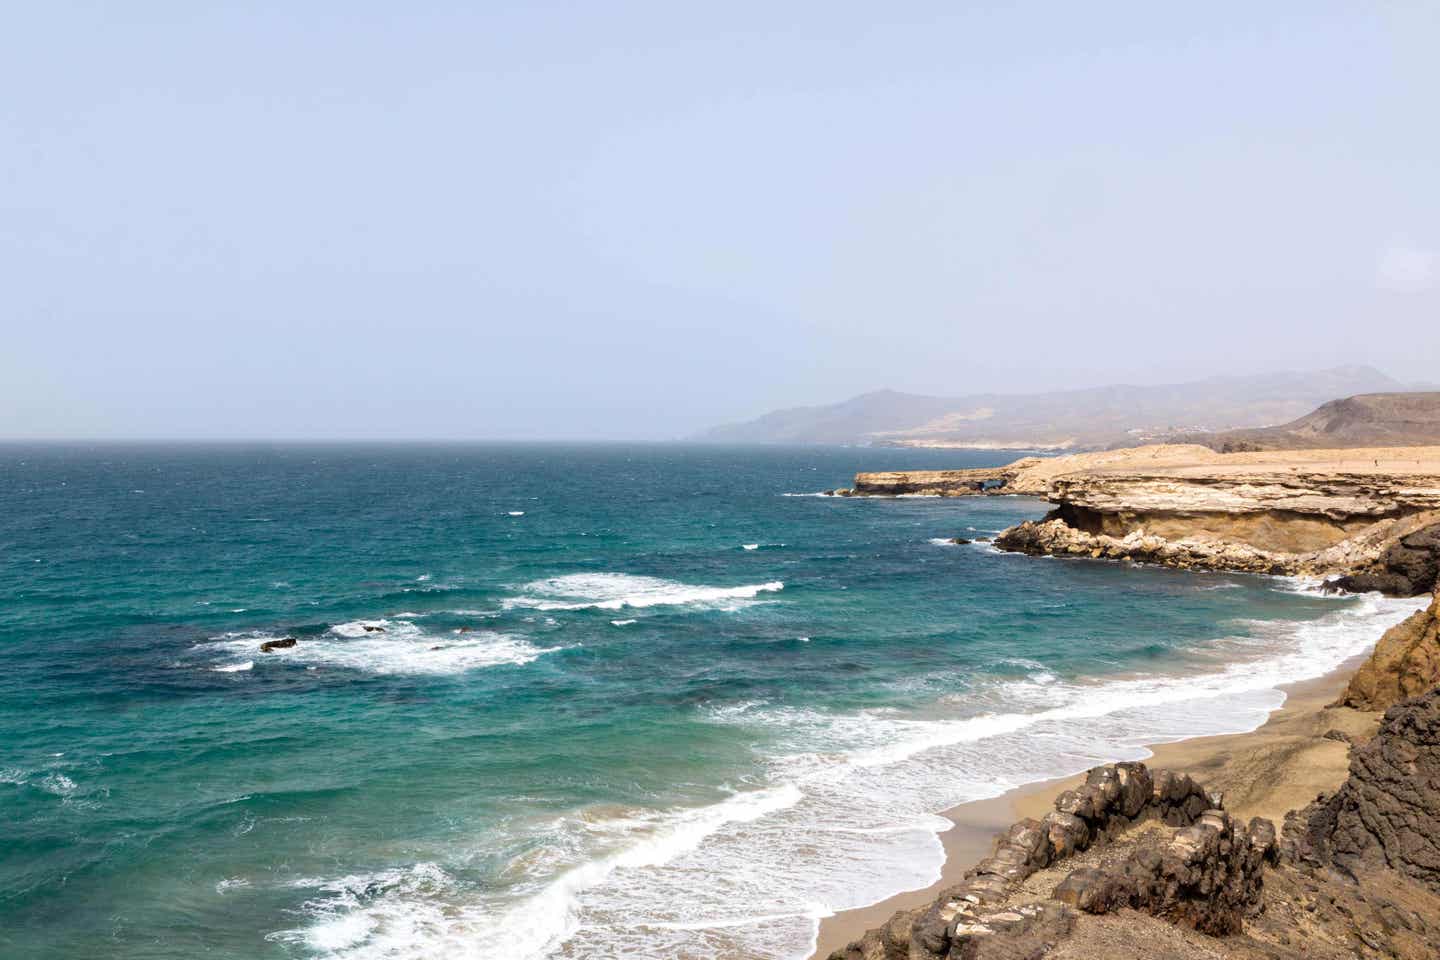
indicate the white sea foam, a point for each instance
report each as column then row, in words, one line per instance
column 58, row 784
column 621, row 623
column 516, row 513
column 849, row 814
column 416, row 913
column 751, row 546
column 617, row 591
column 400, row 647
column 234, row 667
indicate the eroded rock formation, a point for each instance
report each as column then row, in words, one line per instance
column 1368, row 516
column 1387, row 813
column 967, row 919
column 1405, row 663
column 1206, row 876
column 1410, row 565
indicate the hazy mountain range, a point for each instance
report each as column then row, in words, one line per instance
column 1091, row 418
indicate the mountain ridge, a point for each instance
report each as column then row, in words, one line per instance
column 1076, row 419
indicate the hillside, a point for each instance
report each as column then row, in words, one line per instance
column 1368, row 420
column 1086, row 419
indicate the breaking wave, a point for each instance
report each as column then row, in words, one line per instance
column 617, row 591
column 380, row 647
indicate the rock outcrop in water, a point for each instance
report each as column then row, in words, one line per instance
column 1405, row 663
column 980, row 481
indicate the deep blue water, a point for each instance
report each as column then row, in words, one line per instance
column 613, row 701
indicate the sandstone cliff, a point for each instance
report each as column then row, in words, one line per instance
column 1369, row 515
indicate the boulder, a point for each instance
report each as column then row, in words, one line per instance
column 1407, row 568
column 282, row 644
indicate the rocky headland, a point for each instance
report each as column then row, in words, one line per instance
column 1369, row 517
column 1181, row 858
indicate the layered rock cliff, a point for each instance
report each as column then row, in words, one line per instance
column 1371, row 516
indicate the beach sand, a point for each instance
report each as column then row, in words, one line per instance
column 1279, row 766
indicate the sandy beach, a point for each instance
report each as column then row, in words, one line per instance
column 1266, row 772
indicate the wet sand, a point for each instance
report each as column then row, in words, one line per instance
column 1275, row 768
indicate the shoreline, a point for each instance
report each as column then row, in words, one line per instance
column 1245, row 766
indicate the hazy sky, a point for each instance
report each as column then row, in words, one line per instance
column 634, row 220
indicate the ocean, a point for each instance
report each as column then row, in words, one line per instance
column 554, row 701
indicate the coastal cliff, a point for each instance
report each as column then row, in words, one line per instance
column 1369, row 516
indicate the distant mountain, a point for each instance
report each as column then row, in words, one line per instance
column 1368, row 420
column 1067, row 420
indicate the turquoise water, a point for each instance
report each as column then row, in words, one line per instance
column 615, row 702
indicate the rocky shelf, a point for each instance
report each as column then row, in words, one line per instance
column 1369, row 517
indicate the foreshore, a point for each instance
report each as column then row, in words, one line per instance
column 1279, row 766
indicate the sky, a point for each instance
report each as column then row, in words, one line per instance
column 635, row 220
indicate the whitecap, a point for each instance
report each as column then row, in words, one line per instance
column 751, row 546
column 58, row 784
column 621, row 623
column 616, row 591
column 403, row 648
column 516, row 513
column 847, row 816
column 234, row 667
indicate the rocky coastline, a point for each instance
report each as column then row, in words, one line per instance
column 1367, row 518
column 1146, row 862
column 1140, row 861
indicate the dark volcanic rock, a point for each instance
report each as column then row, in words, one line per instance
column 1208, row 876
column 1408, row 568
column 963, row 920
column 1387, row 813
column 286, row 643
